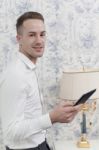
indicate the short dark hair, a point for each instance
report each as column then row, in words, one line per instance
column 26, row 16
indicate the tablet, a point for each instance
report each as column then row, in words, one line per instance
column 84, row 97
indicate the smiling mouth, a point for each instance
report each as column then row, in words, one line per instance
column 38, row 48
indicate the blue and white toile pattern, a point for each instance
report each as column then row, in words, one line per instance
column 72, row 42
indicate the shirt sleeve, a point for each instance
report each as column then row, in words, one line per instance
column 22, row 129
column 15, row 125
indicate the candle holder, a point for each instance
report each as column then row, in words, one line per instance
column 90, row 107
column 83, row 142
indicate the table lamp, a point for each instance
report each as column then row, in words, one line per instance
column 73, row 85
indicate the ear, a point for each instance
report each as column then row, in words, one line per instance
column 18, row 37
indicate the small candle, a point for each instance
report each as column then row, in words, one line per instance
column 84, row 123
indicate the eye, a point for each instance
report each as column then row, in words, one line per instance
column 43, row 34
column 31, row 35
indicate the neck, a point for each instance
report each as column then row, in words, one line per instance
column 34, row 60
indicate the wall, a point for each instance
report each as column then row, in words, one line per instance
column 72, row 42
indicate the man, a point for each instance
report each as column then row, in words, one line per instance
column 24, row 125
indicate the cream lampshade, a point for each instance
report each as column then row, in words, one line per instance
column 74, row 84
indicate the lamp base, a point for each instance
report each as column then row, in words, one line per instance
column 83, row 143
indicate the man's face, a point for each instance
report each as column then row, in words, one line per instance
column 32, row 38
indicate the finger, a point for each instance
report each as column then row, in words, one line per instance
column 71, row 114
column 78, row 107
column 70, row 119
column 70, row 109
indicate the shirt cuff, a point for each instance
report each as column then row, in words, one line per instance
column 45, row 121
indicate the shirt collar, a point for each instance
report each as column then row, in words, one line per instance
column 27, row 61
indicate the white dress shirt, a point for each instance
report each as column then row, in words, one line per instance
column 23, row 123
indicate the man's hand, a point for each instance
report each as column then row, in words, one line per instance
column 64, row 112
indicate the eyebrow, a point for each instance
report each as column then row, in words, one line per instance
column 35, row 32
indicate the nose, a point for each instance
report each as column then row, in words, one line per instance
column 38, row 39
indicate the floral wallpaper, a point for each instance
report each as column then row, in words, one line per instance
column 72, row 42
